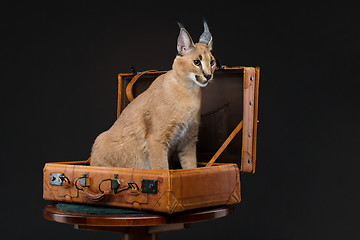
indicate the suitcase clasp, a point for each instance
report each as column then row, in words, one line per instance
column 57, row 179
column 149, row 186
column 82, row 181
column 117, row 186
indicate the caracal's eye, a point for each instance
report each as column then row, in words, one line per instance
column 197, row 62
column 212, row 62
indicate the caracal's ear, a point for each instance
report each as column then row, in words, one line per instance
column 184, row 42
column 206, row 37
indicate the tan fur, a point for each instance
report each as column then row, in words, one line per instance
column 163, row 119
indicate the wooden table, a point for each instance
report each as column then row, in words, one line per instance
column 135, row 226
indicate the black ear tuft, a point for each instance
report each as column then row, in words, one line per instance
column 206, row 37
column 180, row 24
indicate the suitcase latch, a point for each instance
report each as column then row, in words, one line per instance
column 57, row 179
column 117, row 185
column 149, row 186
column 84, row 181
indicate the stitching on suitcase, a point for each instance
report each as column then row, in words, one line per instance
column 159, row 199
column 236, row 185
column 201, row 169
column 214, row 201
column 59, row 165
column 232, row 194
column 169, row 186
column 225, row 166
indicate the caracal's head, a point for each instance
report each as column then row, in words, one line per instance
column 194, row 62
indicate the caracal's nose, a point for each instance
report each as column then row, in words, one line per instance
column 207, row 76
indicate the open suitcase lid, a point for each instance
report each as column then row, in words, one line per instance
column 229, row 103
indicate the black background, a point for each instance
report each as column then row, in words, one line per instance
column 60, row 62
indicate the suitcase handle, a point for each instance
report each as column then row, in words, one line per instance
column 85, row 188
column 115, row 185
column 129, row 87
column 96, row 197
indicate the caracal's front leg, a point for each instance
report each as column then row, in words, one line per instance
column 187, row 156
column 187, row 148
column 158, row 155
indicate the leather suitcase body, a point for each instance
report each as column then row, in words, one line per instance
column 231, row 98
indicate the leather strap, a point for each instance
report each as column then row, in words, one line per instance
column 131, row 83
column 225, row 144
column 96, row 197
column 87, row 161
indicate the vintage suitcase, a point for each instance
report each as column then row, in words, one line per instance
column 229, row 104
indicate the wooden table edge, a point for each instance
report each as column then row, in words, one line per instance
column 52, row 213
